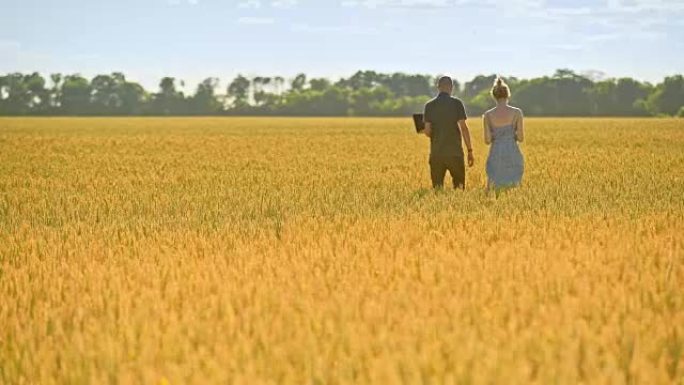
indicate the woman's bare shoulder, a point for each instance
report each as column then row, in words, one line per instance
column 516, row 110
column 488, row 112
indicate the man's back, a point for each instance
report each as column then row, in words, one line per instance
column 444, row 112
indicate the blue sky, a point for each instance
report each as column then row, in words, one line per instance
column 194, row 39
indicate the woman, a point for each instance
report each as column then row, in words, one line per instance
column 503, row 129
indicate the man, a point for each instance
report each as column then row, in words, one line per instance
column 445, row 124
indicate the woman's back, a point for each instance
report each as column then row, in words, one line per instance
column 503, row 130
column 501, row 116
column 501, row 123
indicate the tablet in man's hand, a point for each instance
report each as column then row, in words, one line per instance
column 418, row 122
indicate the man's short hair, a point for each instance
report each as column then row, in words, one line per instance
column 445, row 81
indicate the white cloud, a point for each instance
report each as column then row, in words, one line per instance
column 251, row 4
column 346, row 29
column 507, row 50
column 640, row 6
column 612, row 21
column 246, row 20
column 9, row 45
column 570, row 11
column 567, row 47
column 649, row 35
column 538, row 8
column 420, row 4
column 284, row 3
column 436, row 4
column 179, row 2
column 11, row 54
column 603, row 37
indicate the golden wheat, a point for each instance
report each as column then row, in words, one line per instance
column 311, row 251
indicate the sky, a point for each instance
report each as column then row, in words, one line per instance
column 195, row 39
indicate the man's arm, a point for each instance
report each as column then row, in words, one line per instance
column 428, row 129
column 465, row 132
column 427, row 119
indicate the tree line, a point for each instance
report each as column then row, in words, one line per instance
column 365, row 93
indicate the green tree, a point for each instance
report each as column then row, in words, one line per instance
column 55, row 91
column 133, row 98
column 367, row 101
column 13, row 94
column 39, row 95
column 480, row 103
column 401, row 84
column 366, row 79
column 298, row 83
column 480, row 83
column 564, row 94
column 114, row 95
column 75, row 95
column 319, row 84
column 3, row 89
column 618, row 97
column 332, row 102
column 104, row 97
column 168, row 101
column 278, row 82
column 238, row 90
column 259, row 93
column 204, row 101
column 363, row 93
column 668, row 97
column 629, row 92
column 23, row 94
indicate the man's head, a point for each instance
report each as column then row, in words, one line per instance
column 445, row 84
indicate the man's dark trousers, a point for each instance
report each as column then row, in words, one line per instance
column 439, row 164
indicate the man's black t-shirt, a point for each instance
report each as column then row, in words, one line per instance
column 444, row 112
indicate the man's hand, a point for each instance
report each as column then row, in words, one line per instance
column 471, row 158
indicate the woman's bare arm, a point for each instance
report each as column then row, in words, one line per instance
column 487, row 131
column 520, row 127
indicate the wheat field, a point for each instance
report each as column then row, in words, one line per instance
column 312, row 251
